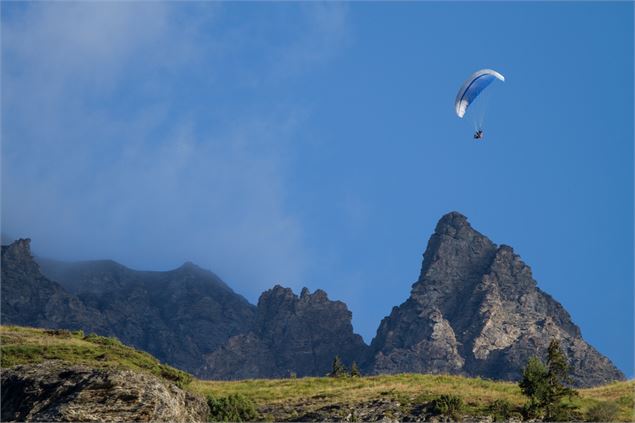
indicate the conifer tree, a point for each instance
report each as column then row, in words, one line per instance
column 545, row 386
column 557, row 377
column 355, row 370
column 338, row 369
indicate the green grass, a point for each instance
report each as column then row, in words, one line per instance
column 412, row 386
column 477, row 395
column 311, row 393
column 21, row 345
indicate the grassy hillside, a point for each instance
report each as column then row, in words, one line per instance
column 282, row 399
column 20, row 345
column 407, row 390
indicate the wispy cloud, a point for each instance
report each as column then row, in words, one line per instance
column 108, row 153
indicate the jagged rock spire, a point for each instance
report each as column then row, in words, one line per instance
column 476, row 310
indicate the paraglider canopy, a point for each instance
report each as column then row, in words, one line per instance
column 472, row 87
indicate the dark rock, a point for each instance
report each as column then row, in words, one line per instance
column 30, row 299
column 292, row 335
column 187, row 317
column 177, row 316
column 56, row 391
column 477, row 311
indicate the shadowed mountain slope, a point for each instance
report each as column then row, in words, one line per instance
column 293, row 335
column 177, row 315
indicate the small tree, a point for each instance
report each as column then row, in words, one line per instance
column 557, row 377
column 544, row 385
column 534, row 385
column 355, row 370
column 558, row 372
column 338, row 369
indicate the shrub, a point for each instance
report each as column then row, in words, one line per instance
column 448, row 405
column 102, row 340
column 563, row 412
column 233, row 408
column 500, row 410
column 179, row 377
column 603, row 412
column 62, row 333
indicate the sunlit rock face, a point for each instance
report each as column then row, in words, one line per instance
column 476, row 310
column 56, row 391
column 292, row 334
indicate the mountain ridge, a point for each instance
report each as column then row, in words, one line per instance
column 475, row 310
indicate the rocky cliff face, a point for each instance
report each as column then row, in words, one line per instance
column 187, row 317
column 178, row 316
column 291, row 334
column 55, row 391
column 30, row 299
column 476, row 310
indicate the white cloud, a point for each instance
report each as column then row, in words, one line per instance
column 100, row 161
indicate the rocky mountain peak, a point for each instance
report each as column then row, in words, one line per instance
column 454, row 259
column 305, row 292
column 451, row 223
column 21, row 246
column 318, row 296
column 476, row 310
column 18, row 254
column 31, row 299
column 188, row 265
column 275, row 299
column 292, row 334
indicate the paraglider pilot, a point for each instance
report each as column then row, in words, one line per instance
column 471, row 89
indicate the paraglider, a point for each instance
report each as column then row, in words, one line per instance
column 471, row 89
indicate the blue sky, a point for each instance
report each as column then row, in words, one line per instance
column 315, row 144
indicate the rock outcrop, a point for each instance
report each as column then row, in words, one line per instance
column 187, row 317
column 477, row 311
column 56, row 391
column 292, row 335
column 178, row 316
column 31, row 299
